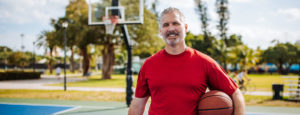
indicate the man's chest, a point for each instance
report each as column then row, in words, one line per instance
column 181, row 75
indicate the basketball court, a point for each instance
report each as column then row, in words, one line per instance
column 63, row 107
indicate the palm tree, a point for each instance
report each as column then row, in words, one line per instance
column 221, row 53
column 47, row 40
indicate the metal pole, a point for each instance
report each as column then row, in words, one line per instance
column 129, row 79
column 65, row 43
column 5, row 61
column 33, row 53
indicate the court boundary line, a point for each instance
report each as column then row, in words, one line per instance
column 32, row 104
column 67, row 110
column 59, row 105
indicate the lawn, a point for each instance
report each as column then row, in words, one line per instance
column 263, row 82
column 63, row 95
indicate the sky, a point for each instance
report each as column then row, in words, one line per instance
column 257, row 21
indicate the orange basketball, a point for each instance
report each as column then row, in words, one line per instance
column 215, row 103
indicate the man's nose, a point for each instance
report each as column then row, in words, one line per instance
column 171, row 28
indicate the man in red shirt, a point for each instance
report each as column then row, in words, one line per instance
column 176, row 77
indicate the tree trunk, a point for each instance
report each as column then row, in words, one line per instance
column 50, row 61
column 280, row 68
column 108, row 60
column 85, row 61
column 72, row 60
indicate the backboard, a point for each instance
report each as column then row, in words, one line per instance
column 128, row 11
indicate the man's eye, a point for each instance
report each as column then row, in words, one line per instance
column 175, row 23
column 165, row 25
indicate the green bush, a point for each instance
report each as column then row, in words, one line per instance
column 18, row 75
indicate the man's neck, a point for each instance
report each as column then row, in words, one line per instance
column 175, row 50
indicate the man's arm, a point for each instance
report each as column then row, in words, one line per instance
column 239, row 103
column 137, row 106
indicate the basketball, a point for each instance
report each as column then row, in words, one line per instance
column 215, row 103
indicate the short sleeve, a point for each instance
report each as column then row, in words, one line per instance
column 142, row 89
column 219, row 80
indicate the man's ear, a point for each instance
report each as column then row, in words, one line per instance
column 160, row 32
column 186, row 27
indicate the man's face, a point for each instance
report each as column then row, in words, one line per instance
column 172, row 29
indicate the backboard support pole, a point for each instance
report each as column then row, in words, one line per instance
column 129, row 79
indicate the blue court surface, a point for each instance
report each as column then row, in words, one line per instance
column 14, row 109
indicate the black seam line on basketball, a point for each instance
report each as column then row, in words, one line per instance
column 214, row 95
column 214, row 109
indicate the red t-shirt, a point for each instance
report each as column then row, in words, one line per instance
column 176, row 82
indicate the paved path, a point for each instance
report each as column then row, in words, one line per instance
column 52, row 79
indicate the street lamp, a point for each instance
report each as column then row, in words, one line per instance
column 22, row 48
column 33, row 56
column 22, row 45
column 65, row 26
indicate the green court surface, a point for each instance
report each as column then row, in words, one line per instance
column 120, row 108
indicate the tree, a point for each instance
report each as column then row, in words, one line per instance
column 221, row 53
column 4, row 53
column 282, row 55
column 223, row 12
column 234, row 40
column 48, row 40
column 145, row 36
column 80, row 34
column 201, row 10
column 18, row 59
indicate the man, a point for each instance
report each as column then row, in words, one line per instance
column 177, row 76
column 58, row 70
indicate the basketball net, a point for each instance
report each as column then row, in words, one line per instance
column 110, row 23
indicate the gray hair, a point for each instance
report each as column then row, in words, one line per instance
column 171, row 10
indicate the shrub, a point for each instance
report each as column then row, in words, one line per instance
column 18, row 75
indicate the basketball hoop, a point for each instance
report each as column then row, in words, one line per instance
column 110, row 23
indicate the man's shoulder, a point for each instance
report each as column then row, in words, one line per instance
column 155, row 56
column 201, row 56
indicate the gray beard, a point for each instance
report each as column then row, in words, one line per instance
column 172, row 43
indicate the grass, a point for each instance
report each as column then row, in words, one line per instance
column 263, row 82
column 117, row 81
column 267, row 101
column 63, row 95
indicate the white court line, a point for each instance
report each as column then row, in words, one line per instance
column 67, row 110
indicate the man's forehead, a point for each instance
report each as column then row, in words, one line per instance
column 176, row 16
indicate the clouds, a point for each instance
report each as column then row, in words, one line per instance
column 28, row 17
column 30, row 11
column 292, row 14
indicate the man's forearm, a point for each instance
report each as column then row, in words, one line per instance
column 239, row 103
column 137, row 106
